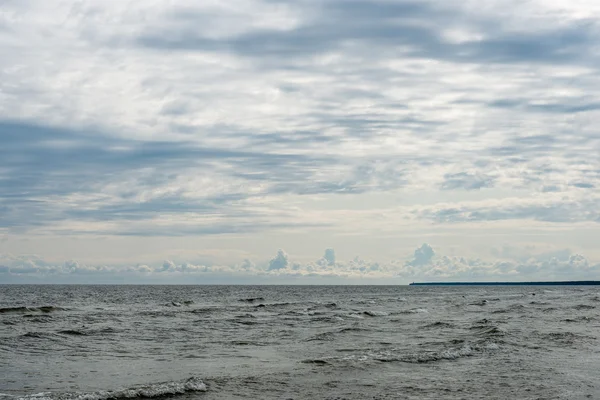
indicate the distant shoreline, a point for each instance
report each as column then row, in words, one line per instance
column 563, row 283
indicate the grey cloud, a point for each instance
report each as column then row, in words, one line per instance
column 467, row 181
column 325, row 145
column 24, row 270
column 247, row 265
column 562, row 267
column 426, row 265
column 329, row 257
column 412, row 29
column 558, row 212
column 524, row 254
column 551, row 188
column 566, row 106
column 279, row 262
column 168, row 266
column 583, row 185
column 41, row 162
column 177, row 230
column 422, row 256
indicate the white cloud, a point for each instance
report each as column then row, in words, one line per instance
column 423, row 256
column 425, row 266
column 329, row 257
column 279, row 262
column 229, row 120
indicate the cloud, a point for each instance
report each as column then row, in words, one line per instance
column 329, row 257
column 279, row 262
column 583, row 185
column 423, row 256
column 547, row 209
column 278, row 118
column 426, row 265
column 544, row 268
column 409, row 28
column 466, row 181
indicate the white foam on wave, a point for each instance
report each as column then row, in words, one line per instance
column 447, row 354
column 426, row 357
column 149, row 391
column 413, row 311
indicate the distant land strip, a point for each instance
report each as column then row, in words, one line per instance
column 563, row 283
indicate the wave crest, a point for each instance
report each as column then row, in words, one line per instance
column 155, row 390
column 43, row 309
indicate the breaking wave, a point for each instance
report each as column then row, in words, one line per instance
column 412, row 311
column 448, row 354
column 155, row 390
column 43, row 309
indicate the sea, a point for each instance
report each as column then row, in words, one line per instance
column 299, row 342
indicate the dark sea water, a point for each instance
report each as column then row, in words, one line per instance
column 299, row 342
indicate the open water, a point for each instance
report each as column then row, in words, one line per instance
column 299, row 342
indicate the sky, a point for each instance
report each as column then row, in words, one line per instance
column 305, row 141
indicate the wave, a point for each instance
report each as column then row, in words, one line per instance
column 275, row 305
column 252, row 299
column 44, row 309
column 513, row 308
column 327, row 318
column 244, row 322
column 439, row 324
column 315, row 362
column 421, row 358
column 155, row 390
column 549, row 309
column 205, row 310
column 479, row 303
column 448, row 354
column 488, row 330
column 330, row 335
column 374, row 313
column 38, row 335
column 352, row 329
column 247, row 315
column 322, row 337
column 39, row 318
column 73, row 332
column 579, row 319
column 583, row 307
column 330, row 305
column 565, row 338
column 248, row 343
column 412, row 311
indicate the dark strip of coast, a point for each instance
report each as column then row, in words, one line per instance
column 562, row 283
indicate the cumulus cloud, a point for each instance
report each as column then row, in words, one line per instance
column 422, row 256
column 329, row 257
column 426, row 265
column 280, row 261
column 543, row 267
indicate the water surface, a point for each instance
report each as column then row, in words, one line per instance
column 297, row 342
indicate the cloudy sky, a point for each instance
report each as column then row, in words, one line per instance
column 305, row 141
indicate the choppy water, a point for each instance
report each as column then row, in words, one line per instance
column 293, row 342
